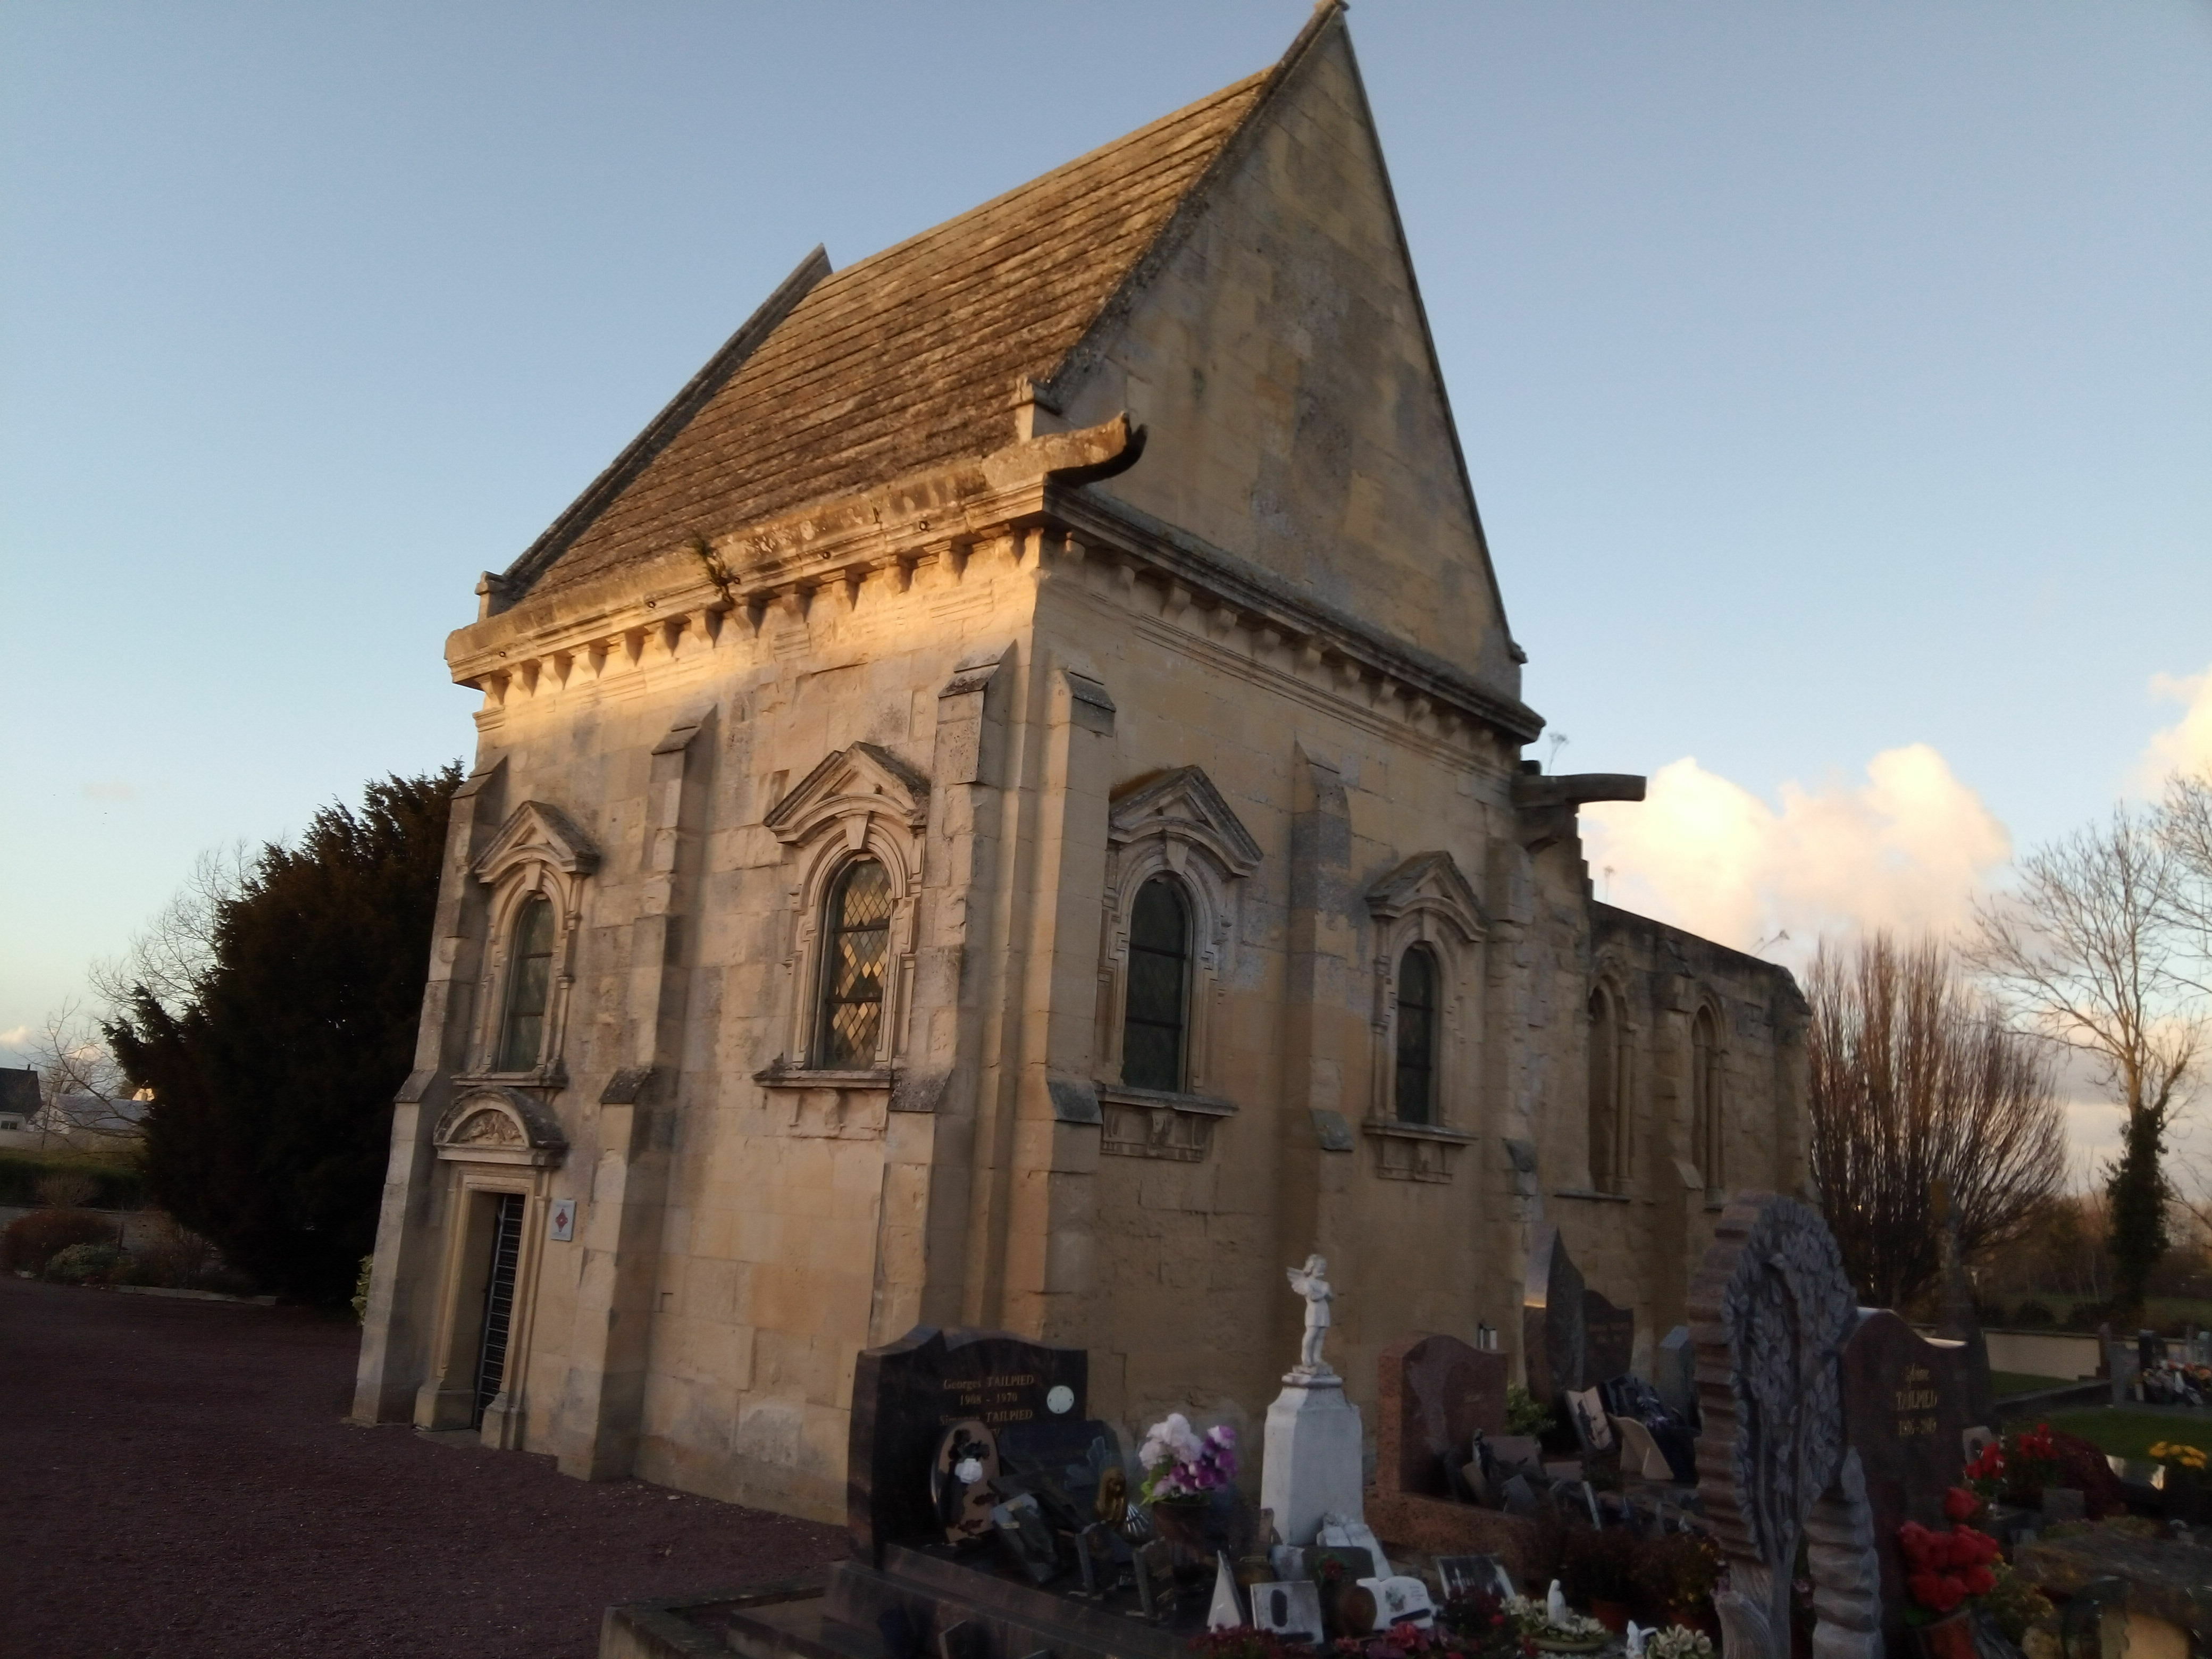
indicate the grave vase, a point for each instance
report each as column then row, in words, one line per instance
column 1180, row 1522
column 1951, row 1636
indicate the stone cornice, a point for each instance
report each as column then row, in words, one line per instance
column 1031, row 490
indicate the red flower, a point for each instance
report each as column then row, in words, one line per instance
column 1959, row 1504
column 1980, row 1581
column 1925, row 1550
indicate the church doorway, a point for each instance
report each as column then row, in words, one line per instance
column 505, row 1243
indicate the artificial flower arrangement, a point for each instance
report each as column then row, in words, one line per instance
column 1945, row 1570
column 1181, row 1465
column 2020, row 1465
column 2180, row 1454
column 1675, row 1642
column 1551, row 1623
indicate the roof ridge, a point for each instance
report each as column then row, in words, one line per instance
column 1098, row 153
column 1191, row 203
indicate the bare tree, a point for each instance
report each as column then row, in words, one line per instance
column 2088, row 952
column 81, row 1088
column 167, row 955
column 1918, row 1086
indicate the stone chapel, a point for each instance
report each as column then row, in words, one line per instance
column 1005, row 807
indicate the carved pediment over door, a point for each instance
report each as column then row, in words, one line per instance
column 500, row 1126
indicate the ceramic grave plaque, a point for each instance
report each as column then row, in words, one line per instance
column 908, row 1393
column 1291, row 1610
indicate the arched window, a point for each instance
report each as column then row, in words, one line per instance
column 1608, row 1163
column 529, row 985
column 1415, row 1094
column 856, row 939
column 1156, row 1024
column 1705, row 1138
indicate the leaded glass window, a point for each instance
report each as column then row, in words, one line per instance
column 1157, row 1016
column 1416, row 1036
column 529, row 982
column 856, row 942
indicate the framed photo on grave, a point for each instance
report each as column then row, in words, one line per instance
column 1473, row 1575
column 1291, row 1610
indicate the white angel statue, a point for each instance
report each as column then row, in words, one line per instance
column 1311, row 1282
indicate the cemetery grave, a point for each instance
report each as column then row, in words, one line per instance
column 992, row 1517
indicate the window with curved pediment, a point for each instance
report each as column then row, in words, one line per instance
column 1429, row 935
column 1176, row 858
column 853, row 826
column 537, row 867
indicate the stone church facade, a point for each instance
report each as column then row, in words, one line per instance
column 1005, row 807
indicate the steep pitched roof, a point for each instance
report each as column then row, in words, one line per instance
column 904, row 360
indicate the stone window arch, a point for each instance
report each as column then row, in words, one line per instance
column 1707, row 1102
column 1609, row 1123
column 1425, row 911
column 1178, row 826
column 853, row 829
column 537, row 868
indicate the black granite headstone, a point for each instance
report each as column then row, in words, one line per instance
column 1608, row 1340
column 1904, row 1412
column 1571, row 1336
column 908, row 1393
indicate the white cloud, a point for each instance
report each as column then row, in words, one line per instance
column 1908, row 849
column 111, row 789
column 2186, row 745
column 15, row 1036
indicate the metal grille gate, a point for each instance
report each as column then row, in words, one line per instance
column 498, row 1302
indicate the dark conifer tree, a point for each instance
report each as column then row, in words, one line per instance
column 271, row 1119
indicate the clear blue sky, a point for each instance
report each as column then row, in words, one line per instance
column 1834, row 376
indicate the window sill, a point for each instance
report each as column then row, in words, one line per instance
column 1413, row 1151
column 798, row 1077
column 829, row 1105
column 1593, row 1195
column 554, row 1076
column 1398, row 1130
column 1156, row 1123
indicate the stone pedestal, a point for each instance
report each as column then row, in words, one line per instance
column 1310, row 1463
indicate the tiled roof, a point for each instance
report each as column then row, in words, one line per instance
column 903, row 361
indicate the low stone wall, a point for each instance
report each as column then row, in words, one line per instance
column 2043, row 1353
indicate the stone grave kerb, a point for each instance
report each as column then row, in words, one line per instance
column 906, row 1393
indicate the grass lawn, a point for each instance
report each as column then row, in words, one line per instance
column 2123, row 1433
column 2008, row 1383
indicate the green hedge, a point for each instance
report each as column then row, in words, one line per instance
column 115, row 1186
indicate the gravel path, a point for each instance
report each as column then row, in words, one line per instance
column 176, row 1481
